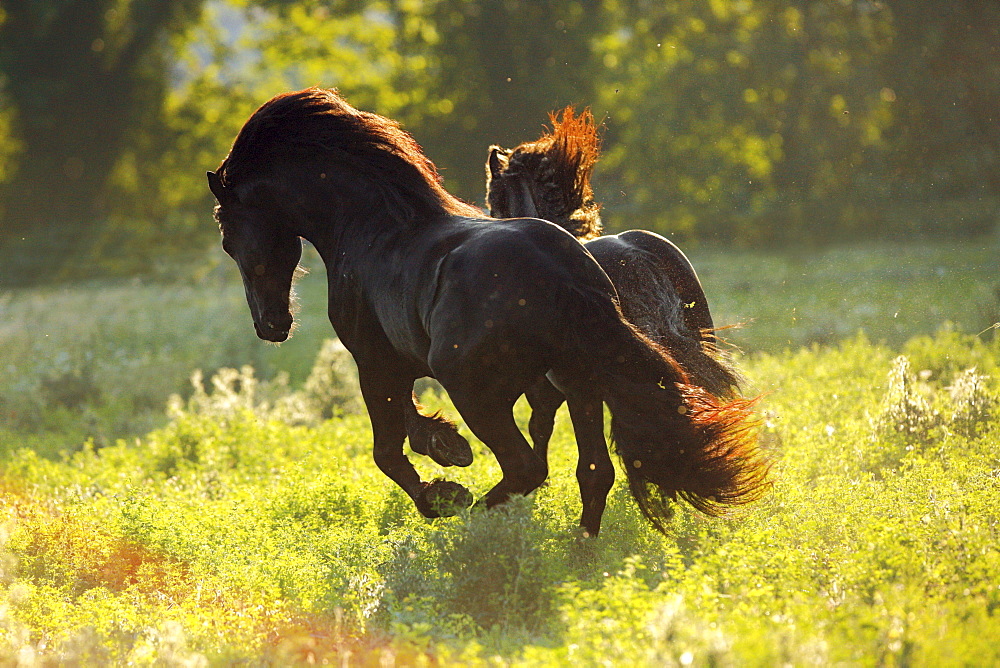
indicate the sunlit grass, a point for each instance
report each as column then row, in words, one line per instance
column 229, row 535
column 238, row 526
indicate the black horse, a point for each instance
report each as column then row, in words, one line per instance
column 658, row 288
column 421, row 285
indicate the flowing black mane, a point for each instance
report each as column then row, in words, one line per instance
column 310, row 134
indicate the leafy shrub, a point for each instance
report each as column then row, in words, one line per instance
column 332, row 386
column 905, row 410
column 972, row 403
column 496, row 566
column 917, row 414
column 331, row 389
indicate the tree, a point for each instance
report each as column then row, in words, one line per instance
column 459, row 74
column 494, row 69
column 945, row 71
column 79, row 76
column 739, row 122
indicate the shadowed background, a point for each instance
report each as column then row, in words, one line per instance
column 749, row 123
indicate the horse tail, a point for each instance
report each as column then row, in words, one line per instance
column 660, row 293
column 704, row 363
column 676, row 440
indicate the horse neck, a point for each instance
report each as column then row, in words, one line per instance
column 344, row 225
column 345, row 245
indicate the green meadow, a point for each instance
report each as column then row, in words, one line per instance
column 175, row 492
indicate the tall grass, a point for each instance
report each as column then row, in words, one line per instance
column 230, row 535
column 237, row 523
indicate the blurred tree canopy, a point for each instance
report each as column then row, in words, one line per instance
column 77, row 79
column 739, row 122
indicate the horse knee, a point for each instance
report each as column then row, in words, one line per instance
column 595, row 478
column 388, row 460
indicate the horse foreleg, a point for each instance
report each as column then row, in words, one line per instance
column 544, row 400
column 387, row 400
column 435, row 436
column 594, row 471
column 491, row 419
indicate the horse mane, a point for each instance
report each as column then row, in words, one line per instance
column 561, row 163
column 294, row 132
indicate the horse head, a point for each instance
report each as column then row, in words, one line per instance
column 266, row 253
column 549, row 178
column 509, row 193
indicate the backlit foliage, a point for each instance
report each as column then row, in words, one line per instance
column 231, row 535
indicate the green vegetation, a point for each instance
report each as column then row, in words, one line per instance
column 248, row 527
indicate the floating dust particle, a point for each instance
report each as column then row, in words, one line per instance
column 637, row 464
column 521, row 302
column 593, row 467
column 682, row 409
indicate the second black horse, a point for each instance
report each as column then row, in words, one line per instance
column 658, row 288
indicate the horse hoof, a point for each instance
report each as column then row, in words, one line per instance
column 443, row 498
column 449, row 448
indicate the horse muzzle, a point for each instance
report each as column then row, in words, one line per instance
column 275, row 332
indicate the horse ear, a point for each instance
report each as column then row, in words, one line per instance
column 497, row 161
column 218, row 189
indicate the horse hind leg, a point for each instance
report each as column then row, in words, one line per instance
column 595, row 472
column 545, row 400
column 436, row 436
column 491, row 419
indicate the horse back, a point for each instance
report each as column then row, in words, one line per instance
column 647, row 268
column 529, row 252
column 508, row 286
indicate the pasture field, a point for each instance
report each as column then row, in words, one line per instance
column 239, row 522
